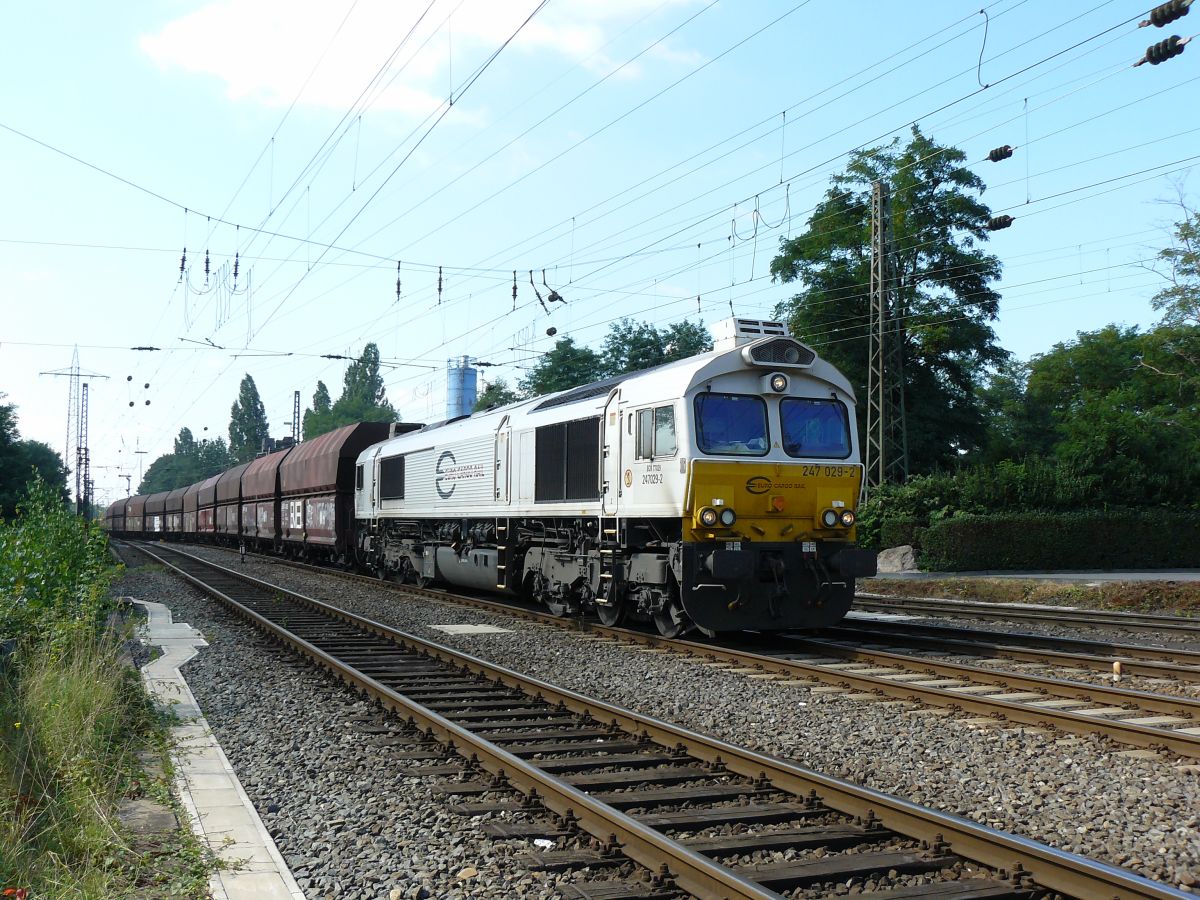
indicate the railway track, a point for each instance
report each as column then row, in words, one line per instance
column 1069, row 616
column 1135, row 659
column 686, row 806
column 1134, row 718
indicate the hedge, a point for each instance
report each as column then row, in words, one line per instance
column 1102, row 539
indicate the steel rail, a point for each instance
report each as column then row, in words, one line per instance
column 968, row 609
column 995, row 645
column 691, row 871
column 1161, row 703
column 1129, row 733
column 1054, row 869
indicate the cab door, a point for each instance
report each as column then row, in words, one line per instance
column 503, row 441
column 610, row 450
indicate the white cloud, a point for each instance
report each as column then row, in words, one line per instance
column 263, row 50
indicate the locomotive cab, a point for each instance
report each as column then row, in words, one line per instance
column 760, row 456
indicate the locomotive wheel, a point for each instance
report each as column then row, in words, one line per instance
column 611, row 614
column 671, row 621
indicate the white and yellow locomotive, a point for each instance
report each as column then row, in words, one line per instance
column 717, row 492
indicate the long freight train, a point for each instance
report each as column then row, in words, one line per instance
column 716, row 493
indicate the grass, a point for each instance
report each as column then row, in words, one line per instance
column 73, row 720
column 75, row 723
column 1167, row 597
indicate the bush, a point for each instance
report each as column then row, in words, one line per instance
column 900, row 531
column 1099, row 539
column 54, row 571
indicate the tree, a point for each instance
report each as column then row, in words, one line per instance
column 1179, row 301
column 1017, row 428
column 363, row 398
column 498, row 393
column 189, row 463
column 317, row 418
column 942, row 279
column 632, row 346
column 1119, row 414
column 684, row 339
column 22, row 461
column 566, row 366
column 248, row 426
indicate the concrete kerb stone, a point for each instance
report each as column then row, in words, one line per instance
column 218, row 809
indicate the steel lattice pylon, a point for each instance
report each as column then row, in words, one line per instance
column 886, row 455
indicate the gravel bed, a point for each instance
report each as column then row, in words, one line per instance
column 319, row 763
column 1076, row 793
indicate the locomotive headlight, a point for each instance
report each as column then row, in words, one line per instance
column 709, row 517
column 848, row 518
column 728, row 517
column 829, row 518
column 779, row 382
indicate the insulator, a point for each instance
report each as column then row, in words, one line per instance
column 206, row 265
column 235, row 266
column 1166, row 13
column 183, row 262
column 397, row 281
column 1001, row 153
column 998, row 222
column 514, row 289
column 1164, row 50
column 439, row 285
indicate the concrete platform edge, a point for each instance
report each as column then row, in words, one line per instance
column 232, row 830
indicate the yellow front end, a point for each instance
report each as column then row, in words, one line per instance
column 770, row 546
column 774, row 502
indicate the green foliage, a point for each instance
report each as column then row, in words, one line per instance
column 630, row 346
column 898, row 513
column 498, row 393
column 54, row 570
column 1120, row 414
column 73, row 718
column 248, row 426
column 943, row 279
column 190, row 462
column 564, row 367
column 1180, row 300
column 1095, row 539
column 23, row 461
column 363, row 398
column 318, row 418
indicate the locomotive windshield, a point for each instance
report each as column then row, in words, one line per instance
column 733, row 424
column 815, row 428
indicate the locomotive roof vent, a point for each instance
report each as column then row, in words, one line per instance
column 784, row 351
column 731, row 333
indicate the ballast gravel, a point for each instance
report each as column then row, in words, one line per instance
column 321, row 767
column 1078, row 793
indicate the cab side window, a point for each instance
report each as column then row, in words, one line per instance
column 656, row 432
column 664, row 431
column 645, row 434
column 358, row 477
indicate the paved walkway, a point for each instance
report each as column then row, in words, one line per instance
column 221, row 814
column 1090, row 577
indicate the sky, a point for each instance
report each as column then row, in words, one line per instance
column 643, row 159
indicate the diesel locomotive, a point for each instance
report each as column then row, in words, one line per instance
column 717, row 493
